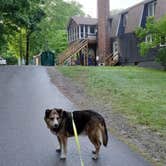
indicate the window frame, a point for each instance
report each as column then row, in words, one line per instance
column 151, row 8
column 115, row 47
column 162, row 44
column 149, row 38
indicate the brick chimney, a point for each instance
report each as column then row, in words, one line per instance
column 103, row 30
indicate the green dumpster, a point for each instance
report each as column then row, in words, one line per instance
column 47, row 58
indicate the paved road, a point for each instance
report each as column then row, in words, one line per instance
column 25, row 93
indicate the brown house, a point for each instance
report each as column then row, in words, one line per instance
column 110, row 40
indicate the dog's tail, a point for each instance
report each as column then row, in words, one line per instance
column 104, row 133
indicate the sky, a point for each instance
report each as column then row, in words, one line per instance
column 90, row 6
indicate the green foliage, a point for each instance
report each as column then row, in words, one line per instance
column 17, row 44
column 161, row 57
column 59, row 42
column 52, row 34
column 10, row 59
column 36, row 25
column 15, row 16
column 145, row 47
column 157, row 30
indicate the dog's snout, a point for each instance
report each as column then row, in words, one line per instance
column 56, row 125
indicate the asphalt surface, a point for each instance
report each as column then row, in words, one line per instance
column 25, row 93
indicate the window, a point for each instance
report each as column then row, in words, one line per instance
column 148, row 38
column 92, row 29
column 163, row 41
column 124, row 21
column 151, row 9
column 82, row 31
column 86, row 30
column 115, row 47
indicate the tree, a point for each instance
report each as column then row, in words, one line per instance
column 28, row 27
column 18, row 15
column 53, row 35
column 155, row 31
column 10, row 17
column 34, row 17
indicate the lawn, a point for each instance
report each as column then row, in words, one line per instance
column 137, row 93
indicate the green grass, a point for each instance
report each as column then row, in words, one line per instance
column 137, row 93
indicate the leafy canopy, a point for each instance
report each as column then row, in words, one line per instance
column 156, row 29
column 42, row 21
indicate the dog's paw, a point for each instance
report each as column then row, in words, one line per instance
column 95, row 157
column 63, row 157
column 93, row 151
column 58, row 150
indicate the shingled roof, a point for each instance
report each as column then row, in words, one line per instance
column 134, row 16
column 85, row 20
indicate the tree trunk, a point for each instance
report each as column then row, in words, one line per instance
column 21, row 52
column 27, row 49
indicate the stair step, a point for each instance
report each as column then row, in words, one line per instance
column 74, row 48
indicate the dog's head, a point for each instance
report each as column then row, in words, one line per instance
column 53, row 118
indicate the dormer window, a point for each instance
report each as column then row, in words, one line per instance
column 122, row 23
column 151, row 9
column 124, row 19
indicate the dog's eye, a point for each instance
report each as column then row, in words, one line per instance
column 51, row 118
column 58, row 118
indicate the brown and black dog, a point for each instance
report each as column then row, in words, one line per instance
column 87, row 122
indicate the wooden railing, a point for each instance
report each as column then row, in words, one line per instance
column 73, row 49
column 111, row 59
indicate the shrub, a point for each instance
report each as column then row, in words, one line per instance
column 11, row 60
column 161, row 57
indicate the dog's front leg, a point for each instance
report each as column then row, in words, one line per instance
column 59, row 148
column 64, row 147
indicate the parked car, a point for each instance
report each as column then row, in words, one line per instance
column 2, row 61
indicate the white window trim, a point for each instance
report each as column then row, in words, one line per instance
column 118, row 26
column 142, row 12
column 163, row 45
column 115, row 44
column 152, row 4
column 148, row 38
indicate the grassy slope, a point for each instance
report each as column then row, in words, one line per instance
column 138, row 93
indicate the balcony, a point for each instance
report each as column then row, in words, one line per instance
column 82, row 32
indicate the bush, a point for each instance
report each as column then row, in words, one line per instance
column 161, row 57
column 11, row 60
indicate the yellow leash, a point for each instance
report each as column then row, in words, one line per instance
column 77, row 140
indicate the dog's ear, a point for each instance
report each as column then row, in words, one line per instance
column 59, row 111
column 64, row 114
column 47, row 112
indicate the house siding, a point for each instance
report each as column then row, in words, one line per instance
column 112, row 29
column 129, row 50
column 160, row 9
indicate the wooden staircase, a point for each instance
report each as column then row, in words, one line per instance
column 111, row 60
column 73, row 49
